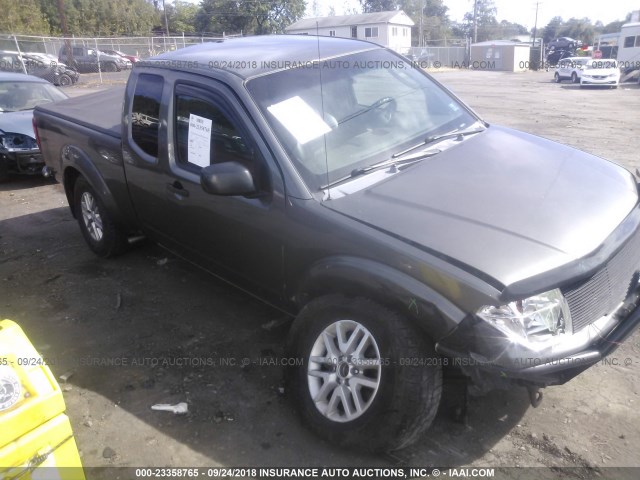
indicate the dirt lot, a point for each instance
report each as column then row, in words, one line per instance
column 161, row 318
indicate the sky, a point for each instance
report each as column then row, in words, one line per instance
column 524, row 11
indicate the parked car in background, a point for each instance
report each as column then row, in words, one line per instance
column 131, row 58
column 564, row 42
column 63, row 75
column 422, row 56
column 570, row 69
column 601, row 73
column 19, row 95
column 33, row 64
column 86, row 59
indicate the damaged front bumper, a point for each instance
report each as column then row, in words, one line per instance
column 492, row 360
column 26, row 162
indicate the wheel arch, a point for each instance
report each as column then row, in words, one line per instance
column 76, row 164
column 435, row 315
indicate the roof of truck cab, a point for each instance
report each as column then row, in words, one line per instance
column 248, row 57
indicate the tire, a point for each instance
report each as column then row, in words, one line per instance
column 574, row 78
column 102, row 235
column 557, row 78
column 397, row 402
column 64, row 80
column 111, row 67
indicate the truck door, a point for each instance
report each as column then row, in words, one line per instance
column 238, row 237
column 143, row 134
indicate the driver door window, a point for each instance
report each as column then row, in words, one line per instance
column 206, row 135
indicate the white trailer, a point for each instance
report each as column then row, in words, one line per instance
column 629, row 50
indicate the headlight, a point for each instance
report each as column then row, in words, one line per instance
column 17, row 142
column 533, row 322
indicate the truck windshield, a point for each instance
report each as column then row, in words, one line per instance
column 367, row 107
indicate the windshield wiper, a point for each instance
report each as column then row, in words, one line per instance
column 377, row 166
column 437, row 138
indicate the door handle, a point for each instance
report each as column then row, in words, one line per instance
column 177, row 189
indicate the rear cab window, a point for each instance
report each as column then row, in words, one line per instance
column 145, row 113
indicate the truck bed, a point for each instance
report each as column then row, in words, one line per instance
column 101, row 111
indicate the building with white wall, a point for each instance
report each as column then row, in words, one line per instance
column 391, row 29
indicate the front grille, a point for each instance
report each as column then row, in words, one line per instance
column 605, row 290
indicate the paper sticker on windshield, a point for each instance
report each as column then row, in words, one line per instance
column 199, row 140
column 300, row 119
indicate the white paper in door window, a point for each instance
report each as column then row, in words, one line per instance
column 300, row 119
column 199, row 140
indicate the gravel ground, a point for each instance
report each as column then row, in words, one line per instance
column 121, row 327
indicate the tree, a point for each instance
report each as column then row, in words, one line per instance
column 182, row 17
column 613, row 27
column 370, row 6
column 23, row 17
column 552, row 29
column 349, row 9
column 267, row 16
column 486, row 23
column 106, row 17
column 579, row 29
column 435, row 20
column 508, row 30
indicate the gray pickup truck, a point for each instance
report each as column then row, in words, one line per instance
column 406, row 236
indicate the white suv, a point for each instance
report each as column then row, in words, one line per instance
column 570, row 68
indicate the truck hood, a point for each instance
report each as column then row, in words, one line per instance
column 17, row 122
column 504, row 203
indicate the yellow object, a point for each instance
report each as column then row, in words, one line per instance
column 36, row 440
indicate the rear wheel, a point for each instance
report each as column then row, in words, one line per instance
column 110, row 67
column 102, row 235
column 362, row 384
column 557, row 78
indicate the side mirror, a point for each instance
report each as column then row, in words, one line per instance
column 228, row 178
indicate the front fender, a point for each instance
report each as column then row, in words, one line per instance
column 356, row 276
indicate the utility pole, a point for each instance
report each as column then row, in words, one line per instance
column 535, row 25
column 65, row 32
column 166, row 22
column 475, row 21
column 421, row 34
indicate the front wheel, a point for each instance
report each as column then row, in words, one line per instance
column 574, row 77
column 557, row 78
column 102, row 235
column 367, row 378
column 65, row 80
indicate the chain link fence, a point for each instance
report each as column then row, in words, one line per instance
column 142, row 47
column 439, row 57
column 89, row 54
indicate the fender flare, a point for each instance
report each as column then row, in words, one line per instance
column 77, row 163
column 356, row 276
